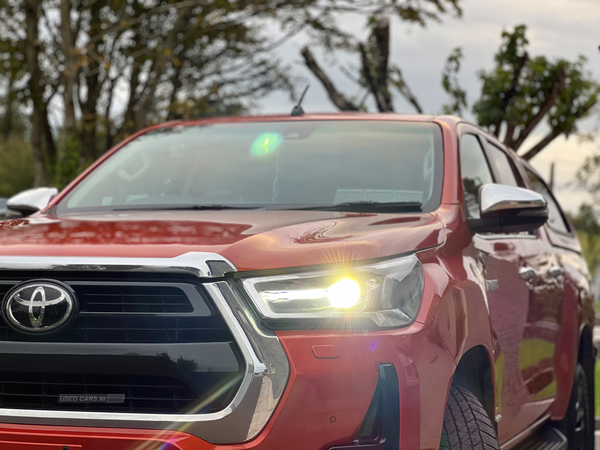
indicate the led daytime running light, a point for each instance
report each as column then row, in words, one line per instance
column 341, row 294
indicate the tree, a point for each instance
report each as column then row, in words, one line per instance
column 518, row 94
column 523, row 91
column 89, row 73
column 163, row 59
column 375, row 75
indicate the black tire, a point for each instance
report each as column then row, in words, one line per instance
column 578, row 424
column 466, row 424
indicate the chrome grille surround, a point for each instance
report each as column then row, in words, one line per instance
column 265, row 375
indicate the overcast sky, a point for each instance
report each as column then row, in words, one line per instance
column 556, row 29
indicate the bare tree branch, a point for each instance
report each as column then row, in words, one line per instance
column 582, row 111
column 338, row 99
column 541, row 144
column 400, row 84
column 511, row 125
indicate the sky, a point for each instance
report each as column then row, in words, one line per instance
column 556, row 29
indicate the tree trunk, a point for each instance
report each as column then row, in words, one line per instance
column 376, row 90
column 172, row 115
column 89, row 107
column 69, row 76
column 41, row 177
column 382, row 54
column 128, row 126
column 32, row 49
column 110, row 137
column 89, row 119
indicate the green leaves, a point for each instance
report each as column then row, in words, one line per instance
column 451, row 85
column 521, row 92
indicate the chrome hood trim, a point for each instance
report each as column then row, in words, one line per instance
column 201, row 265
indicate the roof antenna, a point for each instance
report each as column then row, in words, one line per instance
column 298, row 111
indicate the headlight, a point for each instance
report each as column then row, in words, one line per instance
column 387, row 294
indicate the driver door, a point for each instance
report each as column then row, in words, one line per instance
column 509, row 294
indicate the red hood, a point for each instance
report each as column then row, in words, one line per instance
column 251, row 240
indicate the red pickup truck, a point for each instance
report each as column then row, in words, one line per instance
column 317, row 282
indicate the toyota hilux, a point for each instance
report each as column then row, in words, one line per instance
column 309, row 282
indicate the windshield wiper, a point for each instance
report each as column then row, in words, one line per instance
column 366, row 206
column 182, row 207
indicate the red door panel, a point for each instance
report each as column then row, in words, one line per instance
column 546, row 289
column 512, row 313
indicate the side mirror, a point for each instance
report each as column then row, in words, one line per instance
column 29, row 202
column 508, row 209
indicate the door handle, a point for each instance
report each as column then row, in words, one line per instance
column 527, row 273
column 556, row 271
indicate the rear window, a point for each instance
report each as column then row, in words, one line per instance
column 502, row 166
column 556, row 221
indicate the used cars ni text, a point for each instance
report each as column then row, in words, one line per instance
column 317, row 282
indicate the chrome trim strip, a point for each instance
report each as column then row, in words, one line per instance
column 192, row 263
column 496, row 236
column 252, row 406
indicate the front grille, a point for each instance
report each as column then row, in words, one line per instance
column 133, row 298
column 144, row 311
column 141, row 394
column 158, row 341
column 132, row 330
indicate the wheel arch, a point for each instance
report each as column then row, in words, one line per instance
column 475, row 373
column 586, row 356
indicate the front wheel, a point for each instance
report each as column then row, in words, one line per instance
column 578, row 424
column 466, row 424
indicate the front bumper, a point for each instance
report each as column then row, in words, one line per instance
column 332, row 381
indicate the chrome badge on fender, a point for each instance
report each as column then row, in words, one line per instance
column 39, row 306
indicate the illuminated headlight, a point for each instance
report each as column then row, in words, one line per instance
column 387, row 294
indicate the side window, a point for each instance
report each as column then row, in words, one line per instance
column 502, row 166
column 556, row 220
column 475, row 172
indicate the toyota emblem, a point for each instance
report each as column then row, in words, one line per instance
column 39, row 306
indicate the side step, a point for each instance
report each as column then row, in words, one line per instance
column 547, row 438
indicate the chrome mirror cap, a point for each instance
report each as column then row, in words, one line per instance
column 498, row 198
column 508, row 209
column 29, row 201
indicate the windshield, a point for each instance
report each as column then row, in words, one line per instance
column 271, row 165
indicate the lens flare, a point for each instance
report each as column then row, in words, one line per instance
column 266, row 144
column 344, row 293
